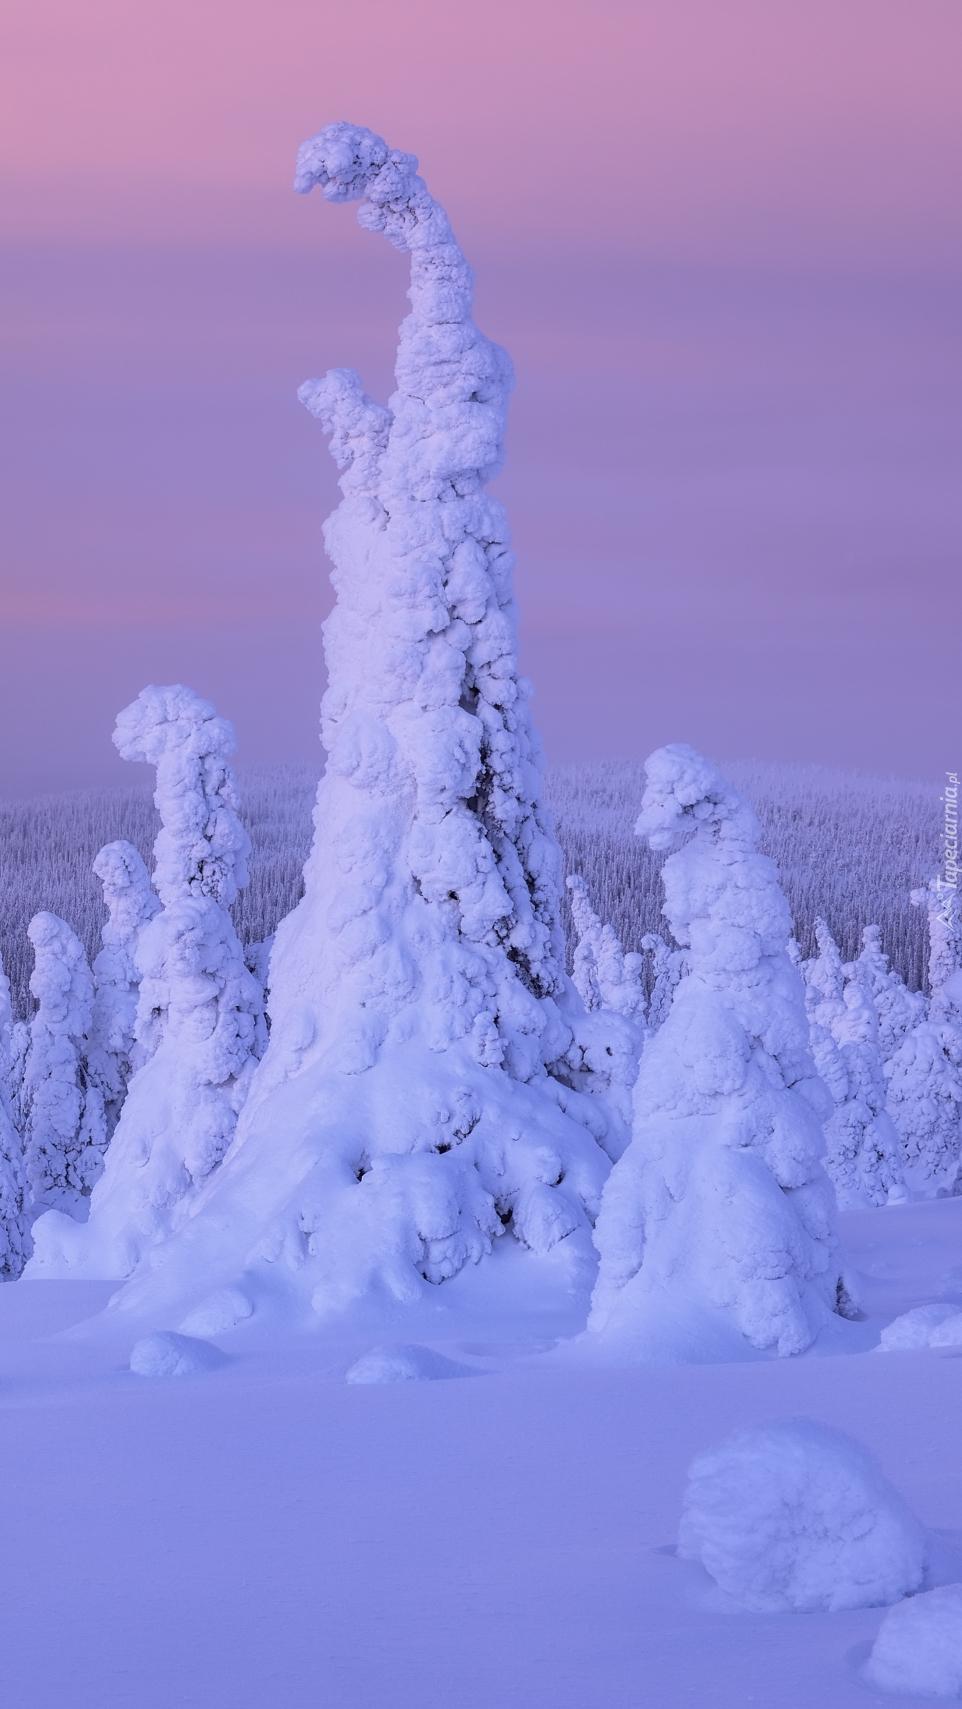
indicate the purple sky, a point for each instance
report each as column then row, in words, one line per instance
column 722, row 245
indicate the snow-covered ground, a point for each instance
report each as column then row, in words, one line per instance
column 269, row 1533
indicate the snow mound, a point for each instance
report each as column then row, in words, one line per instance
column 167, row 1354
column 926, row 1326
column 404, row 1364
column 796, row 1516
column 919, row 1646
column 222, row 1310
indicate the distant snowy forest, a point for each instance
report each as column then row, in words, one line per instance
column 849, row 849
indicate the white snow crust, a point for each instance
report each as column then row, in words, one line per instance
column 794, row 1515
column 167, row 1354
column 719, row 1219
column 15, row 1240
column 405, row 1364
column 918, row 1651
column 925, row 1326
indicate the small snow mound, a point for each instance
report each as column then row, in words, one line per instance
column 168, row 1354
column 796, row 1516
column 219, row 1312
column 926, row 1326
column 409, row 1364
column 919, row 1646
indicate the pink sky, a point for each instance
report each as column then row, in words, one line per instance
column 721, row 240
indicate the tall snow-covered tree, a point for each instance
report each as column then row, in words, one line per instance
column 15, row 1242
column 898, row 1008
column 199, row 1009
column 62, row 1107
column 429, row 1081
column 863, row 1156
column 924, row 1076
column 717, row 1224
column 112, row 1053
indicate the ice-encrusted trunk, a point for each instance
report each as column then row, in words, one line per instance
column 62, row 1107
column 430, row 1079
column 15, row 1242
column 718, row 1221
column 113, row 1053
column 199, row 1010
column 863, row 1156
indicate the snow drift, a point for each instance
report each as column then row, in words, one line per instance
column 918, row 1651
column 796, row 1516
column 718, row 1223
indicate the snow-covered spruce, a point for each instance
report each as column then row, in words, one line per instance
column 924, row 1077
column 609, row 983
column 62, row 1109
column 15, row 1242
column 718, row 1222
column 199, row 1010
column 898, row 1008
column 863, row 1156
column 113, row 1053
column 668, row 967
column 429, row 1082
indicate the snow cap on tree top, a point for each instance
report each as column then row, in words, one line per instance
column 202, row 848
column 686, row 790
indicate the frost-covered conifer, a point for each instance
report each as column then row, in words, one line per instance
column 898, row 1008
column 862, row 1146
column 62, row 1108
column 924, row 1077
column 112, row 1053
column 605, row 977
column 668, row 966
column 15, row 1242
column 199, row 1008
column 427, row 1085
column 719, row 1216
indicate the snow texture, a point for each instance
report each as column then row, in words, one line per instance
column 863, row 1156
column 15, row 1241
column 918, row 1651
column 113, row 1054
column 925, row 1326
column 200, row 1012
column 924, row 1075
column 720, row 1213
column 62, row 1109
column 167, row 1354
column 223, row 1310
column 432, row 1079
column 796, row 1516
column 405, row 1364
column 605, row 977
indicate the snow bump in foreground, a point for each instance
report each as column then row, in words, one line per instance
column 167, row 1354
column 405, row 1364
column 919, row 1646
column 795, row 1516
column 926, row 1326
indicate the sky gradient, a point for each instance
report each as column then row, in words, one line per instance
column 721, row 241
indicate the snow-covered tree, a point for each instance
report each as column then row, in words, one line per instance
column 898, row 1008
column 112, row 1053
column 605, row 977
column 62, row 1108
column 924, row 1076
column 429, row 1079
column 718, row 1221
column 862, row 1146
column 15, row 1242
column 199, row 1009
column 668, row 966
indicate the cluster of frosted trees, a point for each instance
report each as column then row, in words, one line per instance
column 407, row 1074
